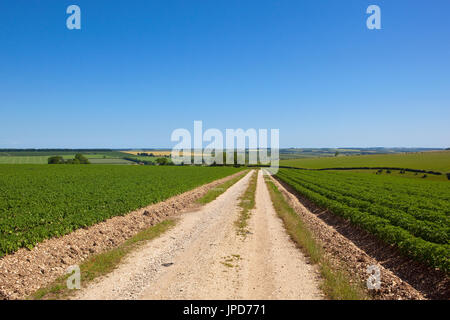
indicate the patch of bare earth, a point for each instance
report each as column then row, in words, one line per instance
column 25, row 271
column 355, row 249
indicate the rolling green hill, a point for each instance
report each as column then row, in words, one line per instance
column 435, row 161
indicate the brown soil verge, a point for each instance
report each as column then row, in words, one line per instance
column 25, row 271
column 401, row 277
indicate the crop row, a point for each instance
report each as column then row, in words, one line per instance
column 427, row 230
column 373, row 195
column 393, row 226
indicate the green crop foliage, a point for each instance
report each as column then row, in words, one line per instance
column 412, row 214
column 39, row 202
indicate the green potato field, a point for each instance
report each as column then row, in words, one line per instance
column 38, row 202
column 413, row 214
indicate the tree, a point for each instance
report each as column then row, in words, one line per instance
column 162, row 161
column 336, row 153
column 82, row 159
column 55, row 160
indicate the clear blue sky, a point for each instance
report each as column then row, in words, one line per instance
column 139, row 69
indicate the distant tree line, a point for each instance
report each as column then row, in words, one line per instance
column 146, row 154
column 79, row 159
column 151, row 154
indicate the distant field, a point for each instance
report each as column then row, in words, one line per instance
column 38, row 202
column 435, row 161
column 20, row 153
column 28, row 159
column 413, row 214
column 109, row 161
column 144, row 158
column 301, row 153
column 59, row 152
column 103, row 158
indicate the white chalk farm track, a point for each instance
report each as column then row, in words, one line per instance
column 203, row 257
